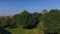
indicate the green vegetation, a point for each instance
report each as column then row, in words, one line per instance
column 52, row 21
column 47, row 22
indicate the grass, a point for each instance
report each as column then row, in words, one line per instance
column 20, row 30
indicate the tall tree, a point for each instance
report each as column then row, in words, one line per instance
column 22, row 18
column 52, row 21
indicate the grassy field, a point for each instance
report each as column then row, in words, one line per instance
column 20, row 30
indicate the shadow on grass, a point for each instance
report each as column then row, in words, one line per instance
column 3, row 31
column 51, row 33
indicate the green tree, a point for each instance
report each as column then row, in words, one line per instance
column 52, row 21
column 22, row 18
column 33, row 21
column 2, row 22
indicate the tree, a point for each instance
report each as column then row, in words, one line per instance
column 33, row 21
column 2, row 22
column 52, row 21
column 26, row 19
column 44, row 11
column 22, row 18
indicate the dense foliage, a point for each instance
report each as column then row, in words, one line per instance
column 25, row 19
column 52, row 21
column 28, row 20
column 49, row 20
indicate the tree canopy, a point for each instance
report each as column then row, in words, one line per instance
column 52, row 21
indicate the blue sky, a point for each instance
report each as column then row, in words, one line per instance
column 11, row 7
